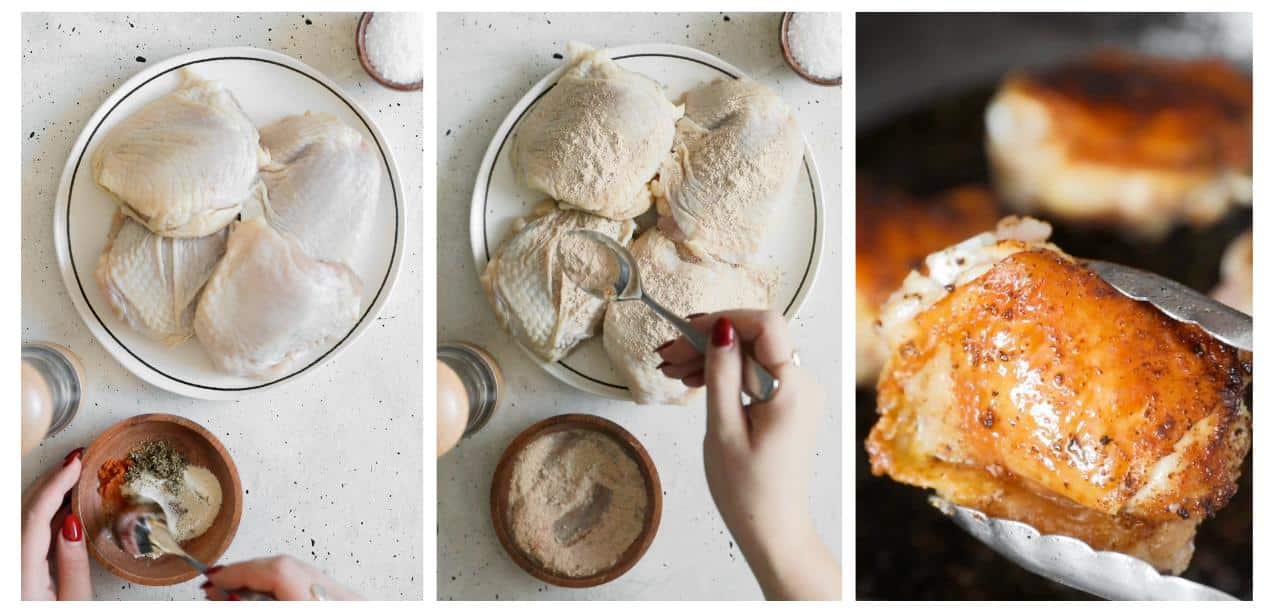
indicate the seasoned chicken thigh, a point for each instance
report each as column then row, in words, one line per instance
column 152, row 282
column 268, row 303
column 1021, row 384
column 594, row 141
column 734, row 165
column 893, row 234
column 533, row 296
column 684, row 284
column 1138, row 142
column 322, row 183
column 183, row 164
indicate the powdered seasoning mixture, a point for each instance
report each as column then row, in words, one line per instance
column 577, row 502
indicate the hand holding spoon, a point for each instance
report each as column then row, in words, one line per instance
column 141, row 529
column 611, row 274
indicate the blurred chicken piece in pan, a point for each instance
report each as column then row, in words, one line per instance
column 894, row 233
column 1137, row 142
column 1235, row 288
column 1021, row 384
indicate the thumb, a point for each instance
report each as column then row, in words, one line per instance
column 72, row 561
column 722, row 375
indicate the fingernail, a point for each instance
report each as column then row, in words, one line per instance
column 213, row 569
column 72, row 529
column 665, row 345
column 75, row 453
column 697, row 373
column 722, row 333
column 232, row 596
column 694, row 315
column 661, row 365
column 206, row 585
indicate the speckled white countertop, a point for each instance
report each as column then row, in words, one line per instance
column 488, row 61
column 331, row 466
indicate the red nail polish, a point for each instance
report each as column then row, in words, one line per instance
column 665, row 345
column 213, row 569
column 722, row 333
column 232, row 596
column 206, row 585
column 75, row 453
column 72, row 529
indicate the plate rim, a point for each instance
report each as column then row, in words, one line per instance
column 477, row 213
column 78, row 295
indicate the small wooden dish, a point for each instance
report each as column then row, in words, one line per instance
column 796, row 66
column 360, row 39
column 202, row 449
column 500, row 498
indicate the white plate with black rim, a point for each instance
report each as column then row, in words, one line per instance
column 793, row 251
column 269, row 86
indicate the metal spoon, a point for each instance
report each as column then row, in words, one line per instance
column 1070, row 561
column 758, row 383
column 141, row 529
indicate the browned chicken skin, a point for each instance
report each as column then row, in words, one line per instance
column 1037, row 392
column 1116, row 138
column 893, row 234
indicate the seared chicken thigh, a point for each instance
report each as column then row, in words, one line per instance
column 684, row 284
column 322, row 183
column 1021, row 384
column 268, row 303
column 1138, row 142
column 152, row 282
column 183, row 164
column 893, row 234
column 733, row 167
column 533, row 296
column 594, row 141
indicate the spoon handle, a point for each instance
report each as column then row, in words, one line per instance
column 758, row 383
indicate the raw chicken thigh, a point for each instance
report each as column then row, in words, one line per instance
column 183, row 164
column 152, row 282
column 595, row 140
column 322, row 183
column 1020, row 384
column 533, row 297
column 268, row 303
column 734, row 164
column 684, row 284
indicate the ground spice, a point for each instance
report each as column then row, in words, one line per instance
column 159, row 459
column 110, row 478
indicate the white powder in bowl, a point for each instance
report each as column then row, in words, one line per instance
column 577, row 502
column 394, row 47
column 814, row 40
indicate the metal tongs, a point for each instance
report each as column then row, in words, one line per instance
column 1070, row 561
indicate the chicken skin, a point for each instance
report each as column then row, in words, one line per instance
column 1136, row 142
column 894, row 233
column 1021, row 384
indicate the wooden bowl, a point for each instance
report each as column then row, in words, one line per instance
column 360, row 39
column 202, row 449
column 796, row 66
column 500, row 498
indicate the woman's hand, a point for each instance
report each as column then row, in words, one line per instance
column 51, row 532
column 283, row 577
column 758, row 458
